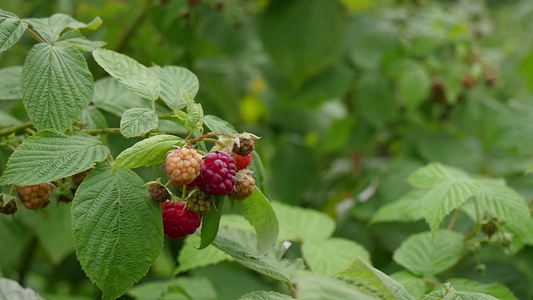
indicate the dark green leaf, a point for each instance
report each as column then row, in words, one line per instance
column 210, row 223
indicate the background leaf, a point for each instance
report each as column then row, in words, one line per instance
column 428, row 253
column 264, row 295
column 147, row 152
column 407, row 209
column 173, row 79
column 113, row 97
column 192, row 258
column 496, row 290
column 216, row 124
column 134, row 76
column 11, row 289
column 138, row 121
column 413, row 86
column 10, row 78
column 92, row 118
column 11, row 29
column 50, row 28
column 48, row 156
column 114, row 220
column 317, row 287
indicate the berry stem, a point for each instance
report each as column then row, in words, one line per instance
column 16, row 128
column 184, row 192
column 205, row 136
column 215, row 141
column 452, row 221
column 102, row 130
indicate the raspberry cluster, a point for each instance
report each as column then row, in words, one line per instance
column 35, row 196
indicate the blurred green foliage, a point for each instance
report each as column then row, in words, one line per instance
column 349, row 98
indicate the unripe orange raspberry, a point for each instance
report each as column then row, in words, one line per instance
column 244, row 187
column 35, row 196
column 183, row 166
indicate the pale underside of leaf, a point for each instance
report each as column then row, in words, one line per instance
column 11, row 29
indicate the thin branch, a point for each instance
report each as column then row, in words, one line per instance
column 102, row 130
column 16, row 128
column 35, row 35
column 205, row 136
column 453, row 220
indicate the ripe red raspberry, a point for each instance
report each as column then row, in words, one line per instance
column 217, row 176
column 199, row 202
column 179, row 221
column 244, row 187
column 183, row 165
column 35, row 196
column 158, row 192
column 10, row 208
column 243, row 147
column 242, row 162
column 78, row 178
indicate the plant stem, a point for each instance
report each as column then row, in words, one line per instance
column 216, row 142
column 205, row 136
column 102, row 130
column 35, row 35
column 165, row 116
column 478, row 222
column 453, row 220
column 16, row 128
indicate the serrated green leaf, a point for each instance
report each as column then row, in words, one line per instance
column 433, row 174
column 415, row 285
column 406, row 209
column 48, row 156
column 134, row 76
column 317, row 287
column 216, row 124
column 414, row 86
column 241, row 245
column 56, row 86
column 92, row 118
column 210, row 223
column 111, row 96
column 173, row 79
column 138, row 121
column 114, row 220
column 330, row 256
column 192, row 258
column 506, row 205
column 302, row 224
column 373, row 281
column 10, row 290
column 450, row 293
column 259, row 213
column 147, row 152
column 75, row 39
column 496, row 290
column 264, row 295
column 11, row 29
column 10, row 78
column 260, row 176
column 50, row 28
column 429, row 253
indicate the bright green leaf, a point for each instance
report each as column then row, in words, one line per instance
column 11, row 29
column 192, row 258
column 118, row 230
column 259, row 213
column 413, row 284
column 414, row 86
column 302, row 224
column 48, row 156
column 173, row 79
column 317, row 287
column 216, row 124
column 56, row 86
column 50, row 28
column 10, row 78
column 496, row 290
column 406, row 209
column 264, row 295
column 11, row 290
column 138, row 121
column 134, row 76
column 328, row 257
column 147, row 152
column 75, row 39
column 429, row 253
column 450, row 293
column 433, row 174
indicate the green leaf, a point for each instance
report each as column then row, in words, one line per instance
column 241, row 245
column 11, row 29
column 113, row 97
column 10, row 78
column 414, row 86
column 7, row 120
column 302, row 224
column 10, row 290
column 328, row 257
column 138, row 121
column 50, row 28
column 147, row 152
column 427, row 253
column 311, row 32
column 264, row 295
column 15, row 238
column 134, row 76
column 374, row 281
column 92, row 118
column 433, row 174
column 118, row 230
column 154, row 290
column 260, row 175
column 210, row 223
column 370, row 88
column 196, row 288
column 450, row 293
column 496, row 290
column 317, row 287
column 259, row 213
column 216, row 124
column 413, row 284
column 406, row 209
column 75, row 39
column 506, row 205
column 173, row 79
column 56, row 86
column 48, row 156
column 192, row 258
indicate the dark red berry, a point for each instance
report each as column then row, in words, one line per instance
column 158, row 192
column 217, row 176
column 242, row 162
column 9, row 208
column 243, row 147
column 178, row 221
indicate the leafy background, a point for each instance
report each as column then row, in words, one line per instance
column 349, row 97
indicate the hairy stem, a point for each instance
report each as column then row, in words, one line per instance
column 35, row 35
column 16, row 128
column 102, row 130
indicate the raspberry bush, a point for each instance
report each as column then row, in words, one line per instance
column 131, row 156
